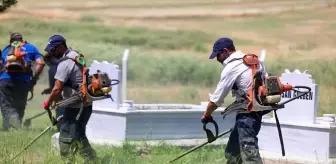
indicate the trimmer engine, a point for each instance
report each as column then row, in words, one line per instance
column 270, row 92
column 98, row 87
column 99, row 84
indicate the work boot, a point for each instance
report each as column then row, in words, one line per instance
column 87, row 152
column 15, row 122
column 68, row 151
column 233, row 159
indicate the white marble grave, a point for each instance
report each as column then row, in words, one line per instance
column 114, row 73
column 119, row 121
column 305, row 136
column 306, row 104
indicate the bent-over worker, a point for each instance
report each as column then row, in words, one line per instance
column 67, row 79
column 242, row 146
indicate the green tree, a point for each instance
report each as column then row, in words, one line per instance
column 5, row 4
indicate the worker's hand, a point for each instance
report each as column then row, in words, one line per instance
column 205, row 119
column 45, row 105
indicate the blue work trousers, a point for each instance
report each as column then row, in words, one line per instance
column 73, row 134
column 13, row 100
column 242, row 147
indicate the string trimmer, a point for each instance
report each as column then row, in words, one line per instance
column 27, row 122
column 211, row 138
column 266, row 97
column 53, row 123
column 98, row 86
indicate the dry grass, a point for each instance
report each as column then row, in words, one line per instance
column 281, row 34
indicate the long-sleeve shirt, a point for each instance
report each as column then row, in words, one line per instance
column 234, row 72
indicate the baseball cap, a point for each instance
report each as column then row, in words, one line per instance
column 54, row 41
column 15, row 36
column 219, row 45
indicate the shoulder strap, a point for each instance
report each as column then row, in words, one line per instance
column 69, row 83
column 79, row 60
column 234, row 60
column 15, row 49
column 253, row 62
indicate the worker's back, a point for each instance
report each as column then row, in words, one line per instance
column 243, row 79
column 73, row 73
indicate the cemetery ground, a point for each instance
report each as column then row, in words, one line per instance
column 168, row 60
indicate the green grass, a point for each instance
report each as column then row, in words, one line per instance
column 132, row 36
column 147, row 67
column 42, row 152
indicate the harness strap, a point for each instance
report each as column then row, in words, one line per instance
column 82, row 87
column 252, row 61
column 16, row 55
column 234, row 87
column 16, row 49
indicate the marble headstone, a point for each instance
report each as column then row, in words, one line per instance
column 303, row 109
column 114, row 73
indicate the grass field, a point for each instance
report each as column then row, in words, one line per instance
column 169, row 44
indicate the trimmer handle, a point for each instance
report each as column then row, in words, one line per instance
column 52, row 119
column 208, row 132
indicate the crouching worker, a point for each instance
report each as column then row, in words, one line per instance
column 52, row 63
column 68, row 79
column 17, row 79
column 242, row 146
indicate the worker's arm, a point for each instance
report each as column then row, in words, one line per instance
column 39, row 67
column 61, row 76
column 224, row 86
column 38, row 58
column 55, row 92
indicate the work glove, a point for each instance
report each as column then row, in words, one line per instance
column 205, row 119
column 46, row 105
column 46, row 91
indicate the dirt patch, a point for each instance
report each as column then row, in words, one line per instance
column 8, row 16
column 41, row 14
column 253, row 36
column 65, row 10
column 269, row 161
column 104, row 4
column 304, row 28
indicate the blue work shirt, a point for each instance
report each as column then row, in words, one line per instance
column 32, row 54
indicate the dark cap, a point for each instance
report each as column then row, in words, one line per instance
column 15, row 36
column 54, row 41
column 219, row 45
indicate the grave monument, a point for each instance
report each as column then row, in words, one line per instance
column 307, row 138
